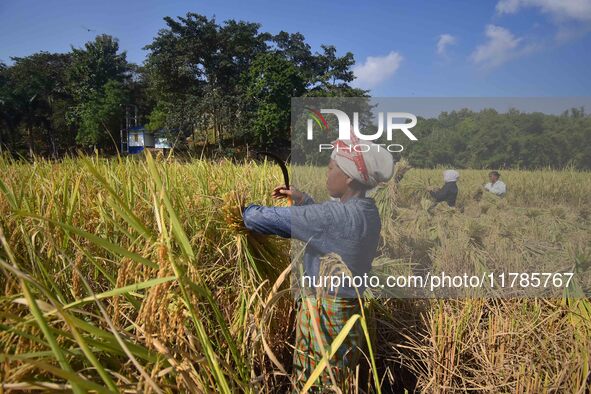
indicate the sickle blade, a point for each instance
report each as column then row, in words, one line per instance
column 280, row 163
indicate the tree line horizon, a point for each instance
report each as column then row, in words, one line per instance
column 229, row 85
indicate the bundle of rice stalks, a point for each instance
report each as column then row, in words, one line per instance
column 266, row 255
column 426, row 204
column 492, row 199
column 401, row 168
column 418, row 189
column 233, row 205
column 387, row 197
column 477, row 193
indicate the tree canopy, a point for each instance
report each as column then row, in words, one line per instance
column 230, row 84
column 489, row 139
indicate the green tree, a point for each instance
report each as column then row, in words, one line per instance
column 210, row 76
column 101, row 115
column 98, row 80
column 34, row 95
column 4, row 108
column 195, row 67
column 271, row 82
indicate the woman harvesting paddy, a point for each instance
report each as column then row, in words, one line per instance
column 348, row 227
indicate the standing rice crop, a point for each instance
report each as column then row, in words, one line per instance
column 138, row 276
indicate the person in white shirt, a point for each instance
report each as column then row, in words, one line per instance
column 495, row 186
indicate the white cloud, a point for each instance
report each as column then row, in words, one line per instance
column 572, row 19
column 443, row 42
column 376, row 69
column 500, row 47
column 561, row 10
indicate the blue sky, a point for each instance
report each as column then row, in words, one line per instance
column 402, row 48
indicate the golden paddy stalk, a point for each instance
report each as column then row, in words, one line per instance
column 138, row 276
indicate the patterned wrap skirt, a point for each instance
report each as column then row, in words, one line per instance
column 329, row 314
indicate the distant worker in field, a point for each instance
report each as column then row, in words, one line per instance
column 495, row 186
column 449, row 191
column 348, row 228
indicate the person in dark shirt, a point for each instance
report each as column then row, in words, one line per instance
column 449, row 191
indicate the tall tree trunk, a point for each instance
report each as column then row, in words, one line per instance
column 51, row 144
column 193, row 138
column 50, row 139
column 217, row 128
column 31, row 151
column 10, row 143
column 229, row 122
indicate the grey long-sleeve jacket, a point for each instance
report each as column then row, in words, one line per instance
column 350, row 229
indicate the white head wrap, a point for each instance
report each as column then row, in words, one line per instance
column 450, row 176
column 370, row 168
